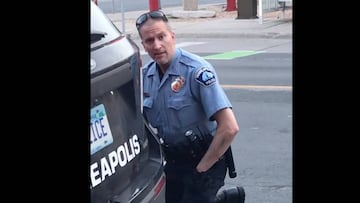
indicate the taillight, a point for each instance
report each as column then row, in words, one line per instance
column 117, row 39
column 159, row 186
column 140, row 60
column 141, row 86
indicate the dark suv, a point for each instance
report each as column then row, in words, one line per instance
column 126, row 158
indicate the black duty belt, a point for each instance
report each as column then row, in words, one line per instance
column 187, row 147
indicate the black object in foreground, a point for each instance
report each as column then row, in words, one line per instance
column 231, row 195
column 230, row 163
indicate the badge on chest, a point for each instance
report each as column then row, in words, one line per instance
column 177, row 84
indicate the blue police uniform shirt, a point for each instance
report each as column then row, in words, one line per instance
column 189, row 94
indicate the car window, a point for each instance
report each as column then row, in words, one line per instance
column 101, row 28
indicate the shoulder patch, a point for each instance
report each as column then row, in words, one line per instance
column 205, row 76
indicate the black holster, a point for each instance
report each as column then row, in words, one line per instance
column 190, row 146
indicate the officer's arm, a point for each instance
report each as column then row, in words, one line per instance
column 227, row 128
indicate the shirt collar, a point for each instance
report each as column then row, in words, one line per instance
column 173, row 68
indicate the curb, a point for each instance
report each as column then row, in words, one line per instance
column 269, row 35
column 217, row 28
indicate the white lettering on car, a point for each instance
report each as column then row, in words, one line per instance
column 93, row 173
column 119, row 157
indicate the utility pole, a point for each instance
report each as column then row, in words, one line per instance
column 154, row 5
column 231, row 5
column 190, row 5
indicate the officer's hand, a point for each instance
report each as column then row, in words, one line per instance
column 200, row 179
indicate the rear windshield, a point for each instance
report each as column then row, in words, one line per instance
column 101, row 27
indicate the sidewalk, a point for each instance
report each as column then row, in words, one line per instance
column 274, row 24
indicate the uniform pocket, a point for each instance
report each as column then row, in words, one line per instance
column 182, row 111
column 178, row 104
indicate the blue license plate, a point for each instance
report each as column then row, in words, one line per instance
column 100, row 133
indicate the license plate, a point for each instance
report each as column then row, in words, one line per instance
column 100, row 133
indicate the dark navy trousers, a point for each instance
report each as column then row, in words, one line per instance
column 185, row 185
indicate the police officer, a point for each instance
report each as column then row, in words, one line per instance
column 182, row 96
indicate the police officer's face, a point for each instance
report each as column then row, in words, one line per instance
column 158, row 41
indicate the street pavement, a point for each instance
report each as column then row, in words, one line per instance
column 220, row 26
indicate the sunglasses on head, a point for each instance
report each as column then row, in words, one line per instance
column 153, row 14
